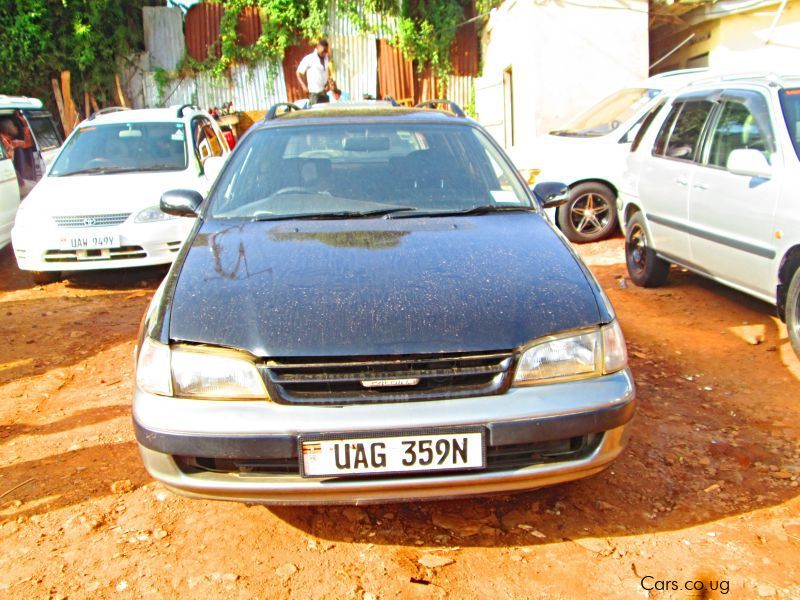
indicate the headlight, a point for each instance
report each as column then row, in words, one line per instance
column 596, row 352
column 152, row 370
column 215, row 375
column 188, row 372
column 149, row 215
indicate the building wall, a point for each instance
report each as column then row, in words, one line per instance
column 736, row 42
column 564, row 57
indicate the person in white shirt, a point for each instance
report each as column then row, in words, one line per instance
column 313, row 75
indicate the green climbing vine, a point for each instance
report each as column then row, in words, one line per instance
column 423, row 30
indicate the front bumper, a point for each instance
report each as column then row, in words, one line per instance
column 168, row 429
column 141, row 244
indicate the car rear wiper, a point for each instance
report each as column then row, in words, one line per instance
column 344, row 214
column 475, row 210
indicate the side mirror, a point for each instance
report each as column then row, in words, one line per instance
column 212, row 166
column 551, row 193
column 181, row 203
column 749, row 162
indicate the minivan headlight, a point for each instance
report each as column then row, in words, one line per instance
column 152, row 214
column 192, row 373
column 599, row 351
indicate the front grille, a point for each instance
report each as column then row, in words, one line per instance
column 341, row 380
column 121, row 253
column 498, row 458
column 92, row 220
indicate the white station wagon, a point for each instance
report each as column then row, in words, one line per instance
column 98, row 205
column 712, row 186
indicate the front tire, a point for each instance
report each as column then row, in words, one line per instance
column 645, row 268
column 590, row 214
column 45, row 277
column 793, row 311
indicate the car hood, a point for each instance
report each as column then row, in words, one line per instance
column 379, row 286
column 546, row 151
column 99, row 194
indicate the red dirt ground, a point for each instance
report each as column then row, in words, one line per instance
column 707, row 490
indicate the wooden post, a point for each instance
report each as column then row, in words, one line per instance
column 86, row 109
column 60, row 104
column 69, row 104
column 92, row 99
column 120, row 94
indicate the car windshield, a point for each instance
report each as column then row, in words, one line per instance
column 343, row 170
column 123, row 147
column 790, row 102
column 608, row 115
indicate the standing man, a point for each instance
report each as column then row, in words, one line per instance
column 313, row 76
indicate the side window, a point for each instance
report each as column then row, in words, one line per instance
column 685, row 136
column 666, row 129
column 739, row 127
column 44, row 131
column 644, row 125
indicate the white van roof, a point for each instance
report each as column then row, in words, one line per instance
column 19, row 103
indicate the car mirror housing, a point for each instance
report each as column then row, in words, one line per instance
column 749, row 162
column 551, row 193
column 181, row 203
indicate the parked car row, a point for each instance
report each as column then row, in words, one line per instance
column 366, row 301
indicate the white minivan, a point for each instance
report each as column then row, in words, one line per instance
column 588, row 154
column 712, row 186
column 28, row 163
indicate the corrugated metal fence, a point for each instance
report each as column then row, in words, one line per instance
column 361, row 64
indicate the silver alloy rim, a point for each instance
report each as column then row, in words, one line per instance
column 590, row 213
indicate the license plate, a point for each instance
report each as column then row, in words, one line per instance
column 357, row 454
column 90, row 240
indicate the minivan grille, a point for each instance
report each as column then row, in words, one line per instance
column 92, row 220
column 120, row 253
column 356, row 380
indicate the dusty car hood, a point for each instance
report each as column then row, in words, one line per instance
column 90, row 194
column 377, row 286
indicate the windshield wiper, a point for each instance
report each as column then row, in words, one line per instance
column 475, row 210
column 100, row 171
column 344, row 214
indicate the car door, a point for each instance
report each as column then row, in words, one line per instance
column 208, row 143
column 732, row 216
column 666, row 176
column 9, row 197
column 46, row 135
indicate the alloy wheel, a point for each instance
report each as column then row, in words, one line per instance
column 590, row 213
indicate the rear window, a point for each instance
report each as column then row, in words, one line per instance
column 347, row 167
column 790, row 104
column 679, row 136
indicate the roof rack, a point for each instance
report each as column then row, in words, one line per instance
column 107, row 110
column 770, row 77
column 454, row 108
column 179, row 112
column 272, row 113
